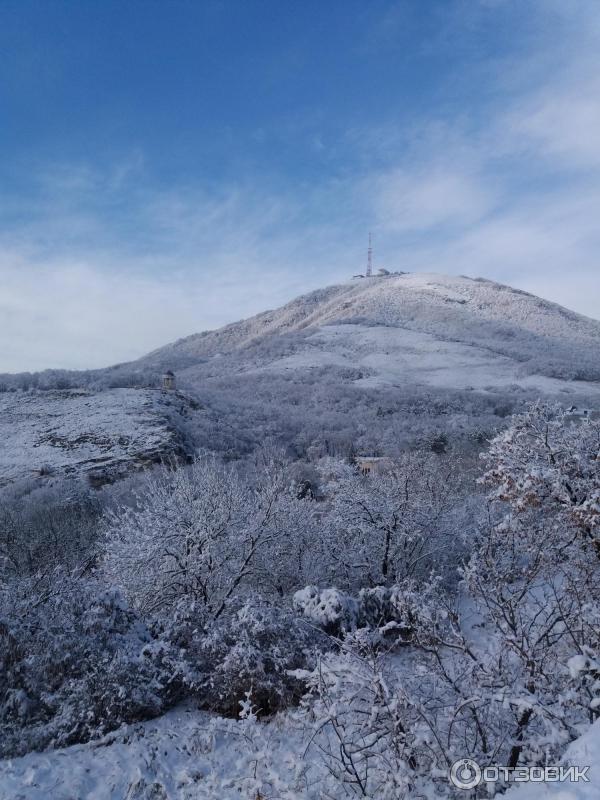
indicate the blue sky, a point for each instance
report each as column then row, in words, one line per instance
column 167, row 167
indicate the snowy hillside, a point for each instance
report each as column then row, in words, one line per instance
column 396, row 357
column 381, row 363
column 47, row 435
column 185, row 755
column 541, row 337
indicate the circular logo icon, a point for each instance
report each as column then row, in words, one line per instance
column 465, row 773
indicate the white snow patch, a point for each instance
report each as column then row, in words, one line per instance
column 584, row 752
column 184, row 755
column 400, row 356
column 69, row 432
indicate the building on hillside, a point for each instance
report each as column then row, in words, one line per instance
column 168, row 381
column 374, row 465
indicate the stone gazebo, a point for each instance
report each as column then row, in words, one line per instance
column 168, row 381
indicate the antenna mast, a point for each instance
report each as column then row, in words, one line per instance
column 370, row 257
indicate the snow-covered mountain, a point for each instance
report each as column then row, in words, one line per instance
column 426, row 328
column 386, row 362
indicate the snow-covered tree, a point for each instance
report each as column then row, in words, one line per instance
column 549, row 460
column 256, row 647
column 51, row 527
column 76, row 662
column 204, row 535
column 385, row 528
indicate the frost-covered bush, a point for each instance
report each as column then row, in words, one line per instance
column 181, row 540
column 256, row 648
column 333, row 611
column 75, row 662
column 402, row 613
column 585, row 673
column 51, row 527
column 367, row 731
column 386, row 528
column 206, row 536
column 395, row 613
column 547, row 462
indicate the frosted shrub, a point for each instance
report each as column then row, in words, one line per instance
column 395, row 613
column 205, row 537
column 548, row 463
column 50, row 528
column 254, row 648
column 585, row 673
column 333, row 611
column 75, row 662
column 386, row 528
column 183, row 539
column 368, row 733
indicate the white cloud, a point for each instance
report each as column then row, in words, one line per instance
column 74, row 296
column 515, row 198
column 79, row 314
column 561, row 121
column 431, row 197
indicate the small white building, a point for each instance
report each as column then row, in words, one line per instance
column 369, row 465
column 168, row 381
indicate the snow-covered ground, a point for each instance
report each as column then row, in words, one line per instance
column 401, row 357
column 191, row 755
column 584, row 752
column 184, row 755
column 58, row 433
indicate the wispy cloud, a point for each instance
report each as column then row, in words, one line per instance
column 431, row 197
column 81, row 289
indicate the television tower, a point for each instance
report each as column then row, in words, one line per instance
column 370, row 257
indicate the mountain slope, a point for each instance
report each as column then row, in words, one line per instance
column 382, row 364
column 547, row 338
